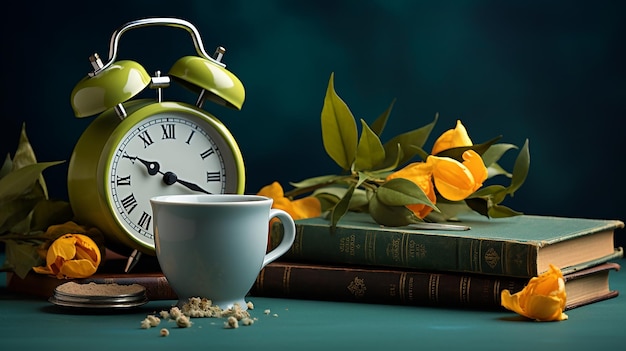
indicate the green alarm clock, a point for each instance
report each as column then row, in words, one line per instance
column 143, row 147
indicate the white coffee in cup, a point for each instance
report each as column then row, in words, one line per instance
column 214, row 246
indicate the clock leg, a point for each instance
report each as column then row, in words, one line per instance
column 132, row 260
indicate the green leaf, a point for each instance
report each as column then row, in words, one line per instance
column 418, row 151
column 49, row 212
column 392, row 216
column 379, row 124
column 14, row 212
column 495, row 152
column 7, row 166
column 339, row 131
column 407, row 141
column 359, row 200
column 480, row 205
column 24, row 155
column 449, row 211
column 21, row 180
column 341, row 207
column 327, row 200
column 500, row 211
column 520, row 169
column 457, row 152
column 489, row 191
column 335, row 191
column 401, row 192
column 315, row 181
column 495, row 169
column 370, row 151
column 363, row 176
column 22, row 256
column 494, row 194
column 387, row 166
column 332, row 195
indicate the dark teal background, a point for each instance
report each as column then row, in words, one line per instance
column 553, row 72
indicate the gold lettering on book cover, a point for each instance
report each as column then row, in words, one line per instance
column 492, row 258
column 369, row 246
column 464, row 286
column 393, row 290
column 402, row 287
column 518, row 259
column 347, row 245
column 357, row 287
column 475, row 252
column 286, row 280
column 410, row 291
column 393, row 250
column 416, row 250
column 495, row 291
column 433, row 287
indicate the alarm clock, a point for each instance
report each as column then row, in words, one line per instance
column 138, row 148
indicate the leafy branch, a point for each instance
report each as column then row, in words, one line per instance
column 365, row 162
column 26, row 209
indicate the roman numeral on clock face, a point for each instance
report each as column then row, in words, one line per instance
column 144, row 221
column 207, row 153
column 168, row 131
column 168, row 153
column 190, row 136
column 129, row 203
column 147, row 140
column 123, row 180
column 213, row 176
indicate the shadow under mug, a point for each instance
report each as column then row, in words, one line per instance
column 214, row 246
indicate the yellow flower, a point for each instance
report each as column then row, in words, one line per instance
column 452, row 138
column 419, row 173
column 71, row 256
column 543, row 299
column 454, row 180
column 306, row 207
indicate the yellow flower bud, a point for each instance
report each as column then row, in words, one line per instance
column 306, row 207
column 419, row 173
column 543, row 299
column 71, row 256
column 456, row 181
column 451, row 138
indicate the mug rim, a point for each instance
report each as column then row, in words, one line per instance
column 226, row 199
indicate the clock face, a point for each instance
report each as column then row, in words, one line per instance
column 167, row 153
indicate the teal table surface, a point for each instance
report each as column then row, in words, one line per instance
column 28, row 323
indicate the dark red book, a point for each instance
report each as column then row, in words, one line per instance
column 351, row 284
column 407, row 287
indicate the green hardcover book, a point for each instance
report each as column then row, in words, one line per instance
column 520, row 246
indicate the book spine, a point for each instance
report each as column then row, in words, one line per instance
column 429, row 252
column 383, row 286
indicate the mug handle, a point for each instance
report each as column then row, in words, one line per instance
column 289, row 235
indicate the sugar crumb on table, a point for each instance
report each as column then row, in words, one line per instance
column 197, row 307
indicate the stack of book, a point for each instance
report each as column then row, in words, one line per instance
column 361, row 261
column 463, row 266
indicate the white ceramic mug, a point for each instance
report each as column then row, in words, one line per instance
column 214, row 246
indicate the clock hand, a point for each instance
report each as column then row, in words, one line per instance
column 170, row 178
column 153, row 167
